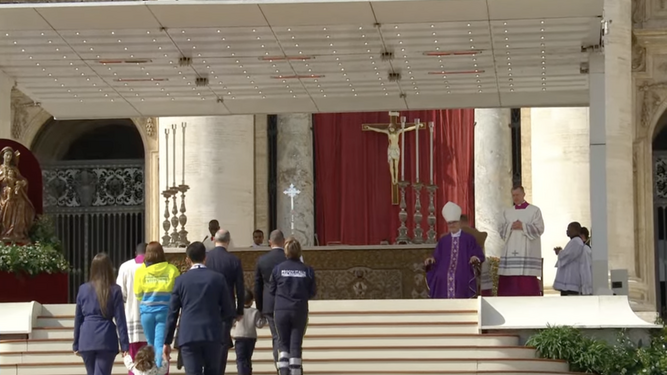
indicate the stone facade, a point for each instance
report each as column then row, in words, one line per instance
column 649, row 65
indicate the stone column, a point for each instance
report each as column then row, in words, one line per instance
column 493, row 173
column 6, row 83
column 560, row 176
column 295, row 166
column 262, row 175
column 219, row 168
column 611, row 148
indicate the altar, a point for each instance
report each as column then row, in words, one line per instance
column 348, row 272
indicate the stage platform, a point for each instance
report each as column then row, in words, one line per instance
column 346, row 337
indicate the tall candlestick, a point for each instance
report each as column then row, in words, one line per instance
column 417, row 150
column 173, row 178
column 183, row 124
column 402, row 148
column 166, row 159
column 431, row 128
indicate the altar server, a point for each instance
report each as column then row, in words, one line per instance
column 450, row 271
column 292, row 284
column 587, row 264
column 521, row 261
column 209, row 241
column 571, row 260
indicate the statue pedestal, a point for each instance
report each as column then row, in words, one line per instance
column 44, row 288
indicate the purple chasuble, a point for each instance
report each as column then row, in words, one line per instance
column 452, row 275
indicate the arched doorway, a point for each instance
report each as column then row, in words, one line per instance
column 659, row 147
column 93, row 174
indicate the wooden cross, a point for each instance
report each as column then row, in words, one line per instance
column 393, row 130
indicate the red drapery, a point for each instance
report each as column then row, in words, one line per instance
column 353, row 184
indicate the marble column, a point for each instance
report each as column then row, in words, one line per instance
column 262, row 175
column 560, row 176
column 6, row 83
column 493, row 173
column 295, row 166
column 611, row 147
column 219, row 168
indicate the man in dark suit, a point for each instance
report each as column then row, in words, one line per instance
column 202, row 297
column 229, row 265
column 265, row 265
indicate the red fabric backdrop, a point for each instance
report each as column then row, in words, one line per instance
column 353, row 184
column 30, row 169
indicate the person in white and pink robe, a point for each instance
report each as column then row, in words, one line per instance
column 521, row 260
column 126, row 282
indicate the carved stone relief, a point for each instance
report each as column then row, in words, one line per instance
column 638, row 56
column 652, row 95
column 638, row 11
column 146, row 124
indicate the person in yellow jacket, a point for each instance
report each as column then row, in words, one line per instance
column 153, row 283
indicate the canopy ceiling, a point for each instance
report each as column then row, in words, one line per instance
column 125, row 59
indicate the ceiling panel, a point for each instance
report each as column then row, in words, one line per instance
column 330, row 57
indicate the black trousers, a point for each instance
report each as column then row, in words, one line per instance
column 274, row 336
column 226, row 344
column 201, row 358
column 568, row 293
column 244, row 347
column 291, row 326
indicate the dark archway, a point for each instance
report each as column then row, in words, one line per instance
column 659, row 147
column 93, row 172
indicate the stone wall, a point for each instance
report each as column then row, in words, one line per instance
column 352, row 274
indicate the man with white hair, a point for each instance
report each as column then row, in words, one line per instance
column 450, row 272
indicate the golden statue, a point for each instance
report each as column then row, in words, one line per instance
column 17, row 213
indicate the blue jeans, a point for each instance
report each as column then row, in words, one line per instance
column 154, row 325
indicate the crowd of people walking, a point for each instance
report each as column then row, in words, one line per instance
column 209, row 303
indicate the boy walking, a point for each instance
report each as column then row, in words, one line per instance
column 245, row 334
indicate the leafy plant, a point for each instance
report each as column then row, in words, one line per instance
column 494, row 262
column 599, row 357
column 44, row 231
column 31, row 259
column 43, row 255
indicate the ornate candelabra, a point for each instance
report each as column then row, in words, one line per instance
column 403, row 216
column 418, row 232
column 166, row 193
column 183, row 188
column 174, row 191
column 431, row 219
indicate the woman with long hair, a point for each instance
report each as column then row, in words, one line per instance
column 153, row 283
column 98, row 303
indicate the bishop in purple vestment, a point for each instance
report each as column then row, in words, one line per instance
column 450, row 271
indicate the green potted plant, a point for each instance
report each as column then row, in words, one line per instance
column 36, row 271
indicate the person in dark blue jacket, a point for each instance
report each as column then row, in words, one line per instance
column 98, row 303
column 292, row 284
column 203, row 299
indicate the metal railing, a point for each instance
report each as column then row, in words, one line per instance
column 97, row 206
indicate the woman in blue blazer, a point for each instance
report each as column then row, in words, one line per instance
column 98, row 302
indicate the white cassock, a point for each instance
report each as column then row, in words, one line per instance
column 208, row 243
column 570, row 263
column 522, row 255
column 126, row 282
column 587, row 272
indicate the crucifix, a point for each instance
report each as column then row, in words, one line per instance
column 393, row 130
column 292, row 192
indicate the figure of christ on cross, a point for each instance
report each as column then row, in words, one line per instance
column 393, row 130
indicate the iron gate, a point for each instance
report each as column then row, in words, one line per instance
column 97, row 206
column 660, row 220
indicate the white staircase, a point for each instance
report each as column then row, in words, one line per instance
column 399, row 337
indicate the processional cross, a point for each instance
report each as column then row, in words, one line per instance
column 393, row 130
column 292, row 192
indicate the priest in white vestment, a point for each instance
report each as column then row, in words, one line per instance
column 521, row 261
column 126, row 282
column 587, row 264
column 570, row 263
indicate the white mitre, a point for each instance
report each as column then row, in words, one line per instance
column 451, row 212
